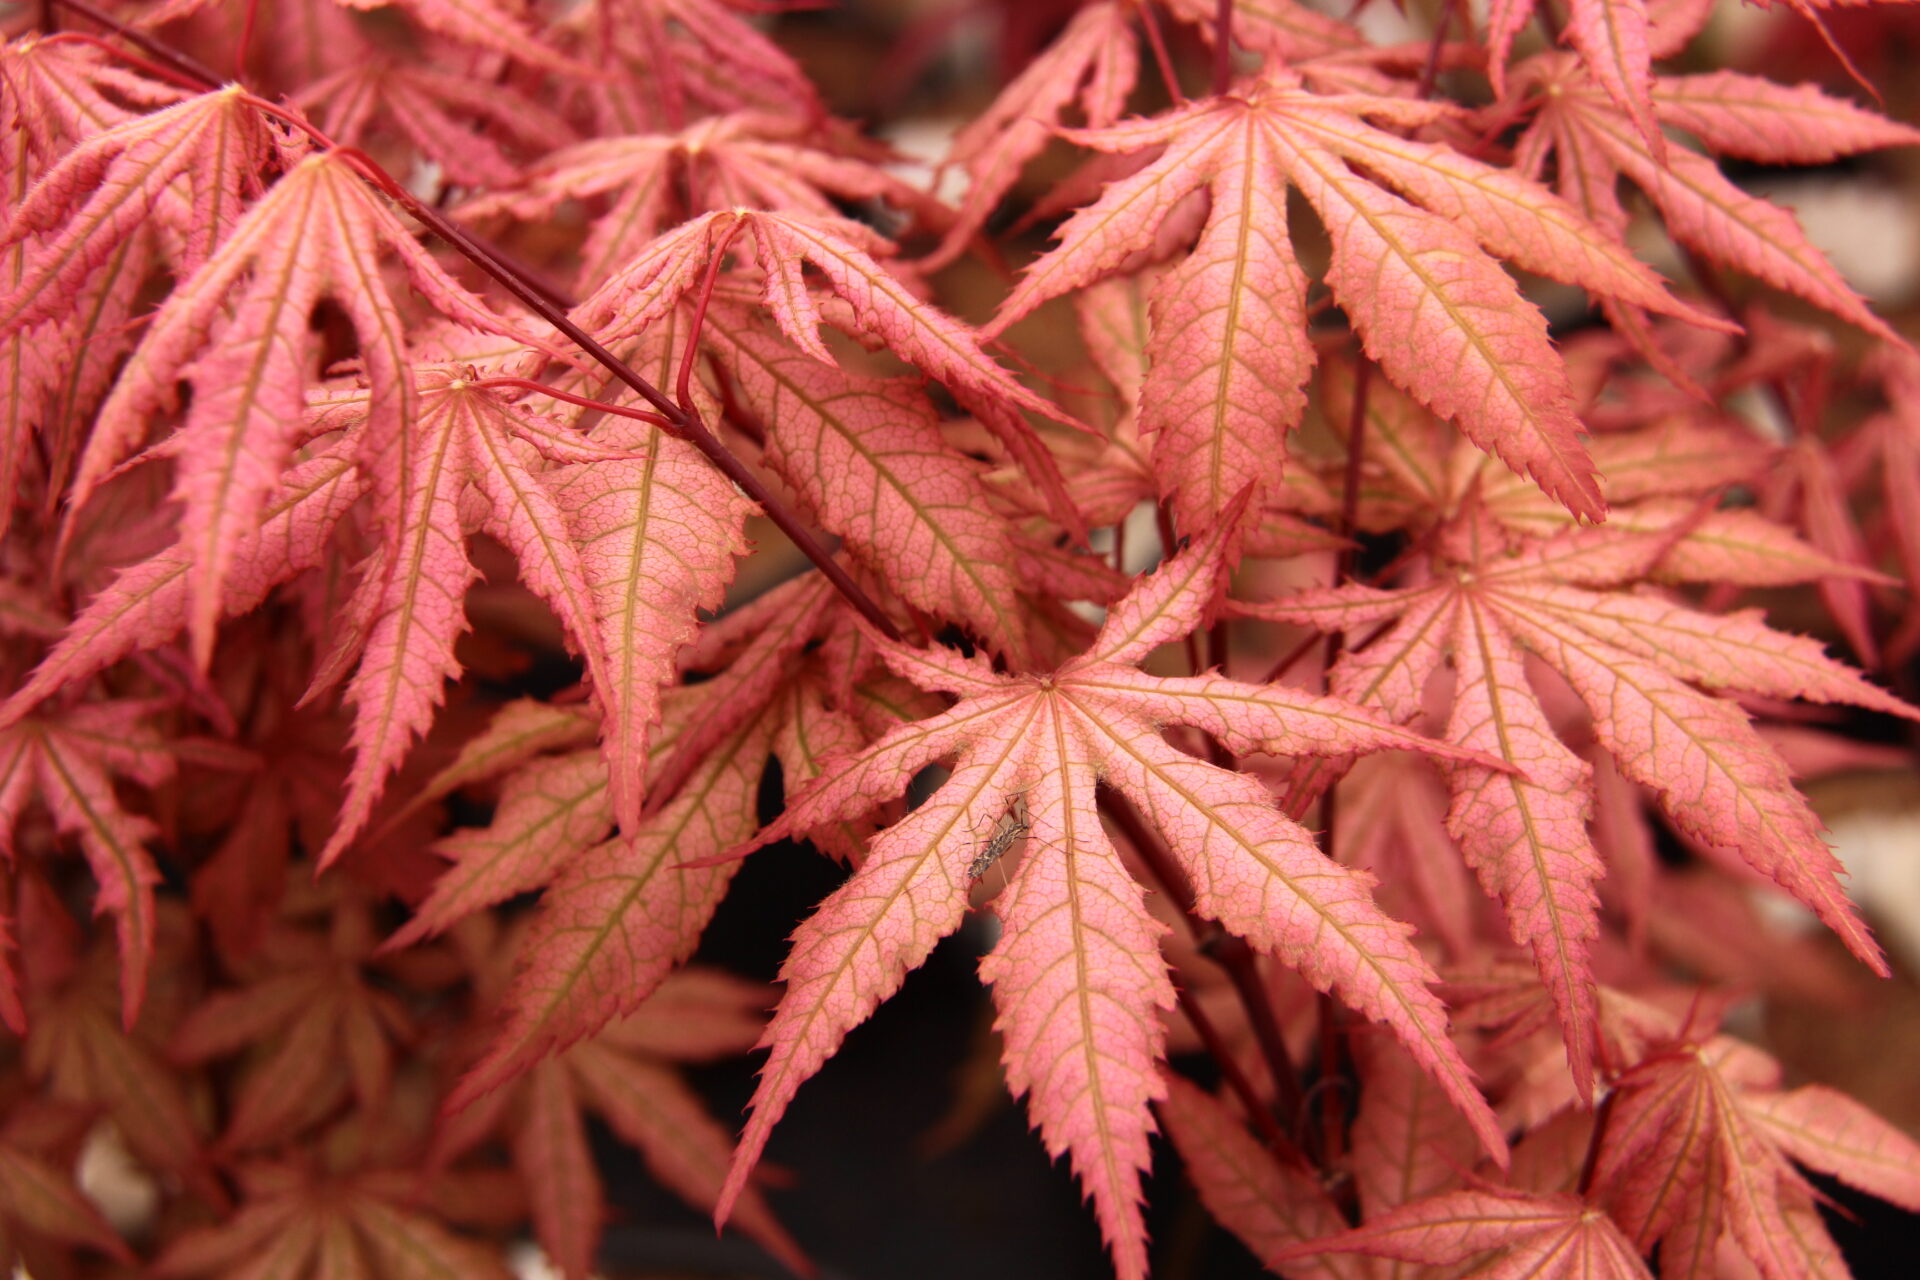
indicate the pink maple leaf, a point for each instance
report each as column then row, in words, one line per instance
column 1229, row 322
column 1077, row 975
column 1635, row 661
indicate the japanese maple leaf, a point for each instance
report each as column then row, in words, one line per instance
column 1093, row 60
column 497, row 27
column 68, row 762
column 146, row 604
column 1077, row 975
column 58, row 94
column 1094, row 63
column 447, row 115
column 673, row 60
column 111, row 184
column 1594, row 144
column 1111, row 476
column 876, row 307
column 867, row 455
column 238, row 331
column 746, row 160
column 1267, row 1203
column 1510, row 1233
column 1417, row 474
column 1647, row 669
column 318, row 1024
column 617, row 915
column 1617, row 40
column 1701, row 1143
column 1436, row 312
column 53, row 97
column 407, row 611
column 77, row 1051
column 628, row 1074
column 303, row 1225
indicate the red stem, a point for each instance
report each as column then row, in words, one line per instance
column 1217, row 1049
column 585, row 402
column 1591, row 1164
column 683, row 387
column 159, row 51
column 686, row 423
column 1223, row 48
column 159, row 71
column 1161, row 58
column 1430, row 73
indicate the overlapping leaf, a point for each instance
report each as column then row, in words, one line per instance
column 867, row 454
column 619, row 916
column 878, row 308
column 306, row 1226
column 1594, row 144
column 1077, row 975
column 116, row 181
column 68, row 762
column 238, row 332
column 1639, row 663
column 627, row 1074
column 746, row 159
column 1553, row 1237
column 1438, row 314
column 1699, row 1146
column 1092, row 61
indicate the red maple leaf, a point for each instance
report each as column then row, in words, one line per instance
column 1077, row 976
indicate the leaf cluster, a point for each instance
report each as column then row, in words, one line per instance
column 1333, row 657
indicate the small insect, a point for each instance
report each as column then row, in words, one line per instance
column 1010, row 826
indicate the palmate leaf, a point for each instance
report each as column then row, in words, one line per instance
column 78, row 1051
column 1700, row 1144
column 146, row 605
column 1614, row 42
column 1514, row 1234
column 619, row 916
column 298, row 1225
column 443, row 113
column 407, row 611
column 1594, row 144
column 1438, row 314
column 878, row 308
column 116, row 181
column 1639, row 663
column 746, row 159
column 1077, row 976
column 1093, row 61
column 628, row 1074
column 677, row 59
column 53, row 97
column 68, row 762
column 238, row 331
column 485, row 24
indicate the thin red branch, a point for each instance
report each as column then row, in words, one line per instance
column 1223, row 48
column 585, row 402
column 158, row 50
column 687, row 421
column 1157, row 42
